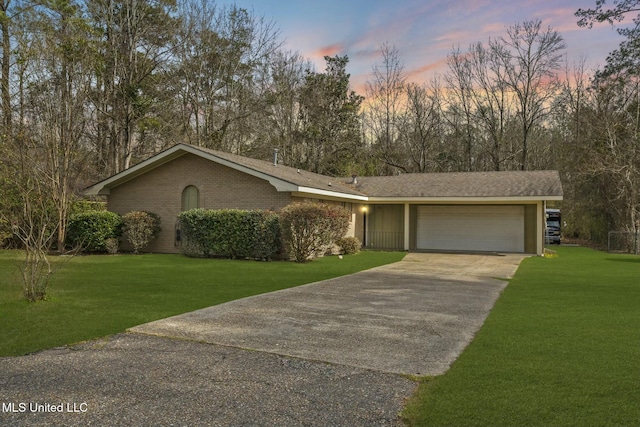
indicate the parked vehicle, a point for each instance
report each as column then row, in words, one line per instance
column 552, row 230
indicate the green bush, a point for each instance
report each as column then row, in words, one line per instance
column 82, row 206
column 349, row 245
column 265, row 232
column 140, row 227
column 230, row 233
column 309, row 229
column 90, row 230
column 194, row 226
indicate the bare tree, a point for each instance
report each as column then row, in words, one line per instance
column 608, row 155
column 459, row 105
column 419, row 130
column 532, row 57
column 57, row 105
column 5, row 64
column 385, row 99
column 493, row 103
column 134, row 42
column 223, row 54
column 34, row 227
column 284, row 123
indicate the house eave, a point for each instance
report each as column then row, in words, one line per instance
column 334, row 195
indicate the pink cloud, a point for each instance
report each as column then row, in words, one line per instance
column 493, row 29
column 331, row 50
column 453, row 36
column 417, row 74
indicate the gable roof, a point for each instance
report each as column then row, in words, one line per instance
column 452, row 186
column 283, row 178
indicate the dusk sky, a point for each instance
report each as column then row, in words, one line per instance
column 424, row 31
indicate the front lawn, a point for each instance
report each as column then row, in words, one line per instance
column 560, row 348
column 95, row 296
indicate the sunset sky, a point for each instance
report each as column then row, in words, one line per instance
column 424, row 31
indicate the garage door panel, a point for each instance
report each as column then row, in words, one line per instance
column 474, row 228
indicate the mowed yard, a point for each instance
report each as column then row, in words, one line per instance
column 99, row 295
column 560, row 348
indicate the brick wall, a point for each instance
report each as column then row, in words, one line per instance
column 220, row 187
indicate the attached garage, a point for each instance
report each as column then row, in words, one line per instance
column 497, row 228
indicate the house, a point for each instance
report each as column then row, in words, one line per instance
column 470, row 211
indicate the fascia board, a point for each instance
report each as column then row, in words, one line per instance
column 327, row 193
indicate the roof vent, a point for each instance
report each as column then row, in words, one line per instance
column 275, row 157
column 354, row 179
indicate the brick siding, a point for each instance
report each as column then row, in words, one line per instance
column 220, row 187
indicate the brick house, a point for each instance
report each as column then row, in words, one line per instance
column 474, row 211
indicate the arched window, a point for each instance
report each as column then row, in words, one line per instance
column 190, row 198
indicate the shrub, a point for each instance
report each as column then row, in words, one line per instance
column 349, row 245
column 309, row 229
column 194, row 226
column 90, row 230
column 140, row 228
column 265, row 233
column 231, row 233
column 82, row 206
column 112, row 245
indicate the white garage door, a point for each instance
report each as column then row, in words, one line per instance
column 471, row 228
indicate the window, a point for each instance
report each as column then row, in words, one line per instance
column 190, row 198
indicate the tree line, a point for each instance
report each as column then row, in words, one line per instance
column 91, row 87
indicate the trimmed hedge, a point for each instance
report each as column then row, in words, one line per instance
column 231, row 233
column 90, row 230
column 82, row 206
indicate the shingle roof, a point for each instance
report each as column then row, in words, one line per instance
column 543, row 184
column 464, row 184
column 452, row 184
column 294, row 176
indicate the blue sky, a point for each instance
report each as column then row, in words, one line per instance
column 424, row 31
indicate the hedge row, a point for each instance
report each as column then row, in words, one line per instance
column 90, row 230
column 230, row 233
column 304, row 230
column 100, row 230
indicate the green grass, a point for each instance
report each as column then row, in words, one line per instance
column 95, row 296
column 560, row 348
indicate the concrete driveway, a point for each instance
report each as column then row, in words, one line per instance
column 410, row 317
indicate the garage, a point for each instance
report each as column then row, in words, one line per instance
column 496, row 228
